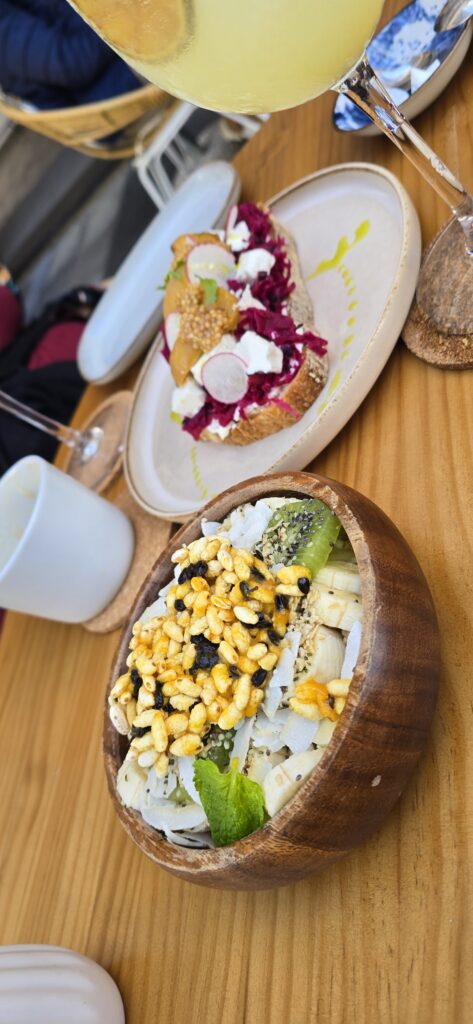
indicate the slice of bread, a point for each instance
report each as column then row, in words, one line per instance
column 302, row 391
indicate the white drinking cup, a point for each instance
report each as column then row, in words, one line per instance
column 64, row 551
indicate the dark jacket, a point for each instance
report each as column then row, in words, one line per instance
column 50, row 57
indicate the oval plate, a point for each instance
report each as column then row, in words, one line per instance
column 359, row 245
column 127, row 317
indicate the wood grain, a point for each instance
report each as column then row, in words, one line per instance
column 383, row 937
column 383, row 728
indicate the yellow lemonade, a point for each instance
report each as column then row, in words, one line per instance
column 246, row 55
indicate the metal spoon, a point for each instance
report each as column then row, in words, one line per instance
column 400, row 78
column 454, row 14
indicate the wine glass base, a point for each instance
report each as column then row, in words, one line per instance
column 103, row 466
column 439, row 328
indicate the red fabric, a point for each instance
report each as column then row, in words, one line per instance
column 10, row 316
column 58, row 345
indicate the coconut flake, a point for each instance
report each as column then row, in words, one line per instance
column 185, row 767
column 283, row 674
column 248, row 523
column 209, row 528
column 299, row 733
column 272, row 700
column 242, row 742
column 268, row 731
column 352, row 651
column 158, row 607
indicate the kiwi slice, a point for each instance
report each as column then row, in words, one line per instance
column 301, row 533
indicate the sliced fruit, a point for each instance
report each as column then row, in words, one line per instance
column 338, row 609
column 172, row 325
column 174, row 296
column 328, row 654
column 301, row 532
column 341, row 575
column 210, row 260
column 156, row 38
column 225, row 378
column 283, row 781
column 131, row 784
column 182, row 359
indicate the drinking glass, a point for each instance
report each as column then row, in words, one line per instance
column 96, row 453
column 263, row 55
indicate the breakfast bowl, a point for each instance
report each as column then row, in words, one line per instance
column 384, row 719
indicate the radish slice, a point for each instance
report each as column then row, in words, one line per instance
column 232, row 217
column 172, row 326
column 225, row 378
column 210, row 261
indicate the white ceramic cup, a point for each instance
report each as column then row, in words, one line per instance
column 64, row 551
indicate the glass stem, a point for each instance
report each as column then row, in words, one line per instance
column 365, row 89
column 85, row 443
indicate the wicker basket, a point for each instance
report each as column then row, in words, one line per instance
column 84, row 127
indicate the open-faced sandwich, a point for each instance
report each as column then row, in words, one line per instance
column 237, row 675
column 239, row 331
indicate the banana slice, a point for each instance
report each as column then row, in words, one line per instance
column 131, row 784
column 338, row 609
column 283, row 781
column 259, row 764
column 341, row 575
column 329, row 653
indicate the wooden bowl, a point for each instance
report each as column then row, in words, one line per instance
column 380, row 734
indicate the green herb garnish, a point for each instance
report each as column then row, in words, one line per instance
column 210, row 290
column 175, row 274
column 234, row 805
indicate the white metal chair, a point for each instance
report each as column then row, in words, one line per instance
column 181, row 153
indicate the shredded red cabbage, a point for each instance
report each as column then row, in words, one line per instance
column 271, row 289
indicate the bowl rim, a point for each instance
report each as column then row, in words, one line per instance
column 185, row 859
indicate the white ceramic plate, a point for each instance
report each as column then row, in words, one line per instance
column 359, row 245
column 53, row 985
column 128, row 315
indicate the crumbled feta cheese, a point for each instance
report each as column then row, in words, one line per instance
column 226, row 344
column 215, row 427
column 188, row 399
column 247, row 300
column 238, row 237
column 254, row 262
column 260, row 355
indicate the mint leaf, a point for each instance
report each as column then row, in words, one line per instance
column 234, row 805
column 210, row 290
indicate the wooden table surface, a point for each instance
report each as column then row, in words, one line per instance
column 385, row 936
